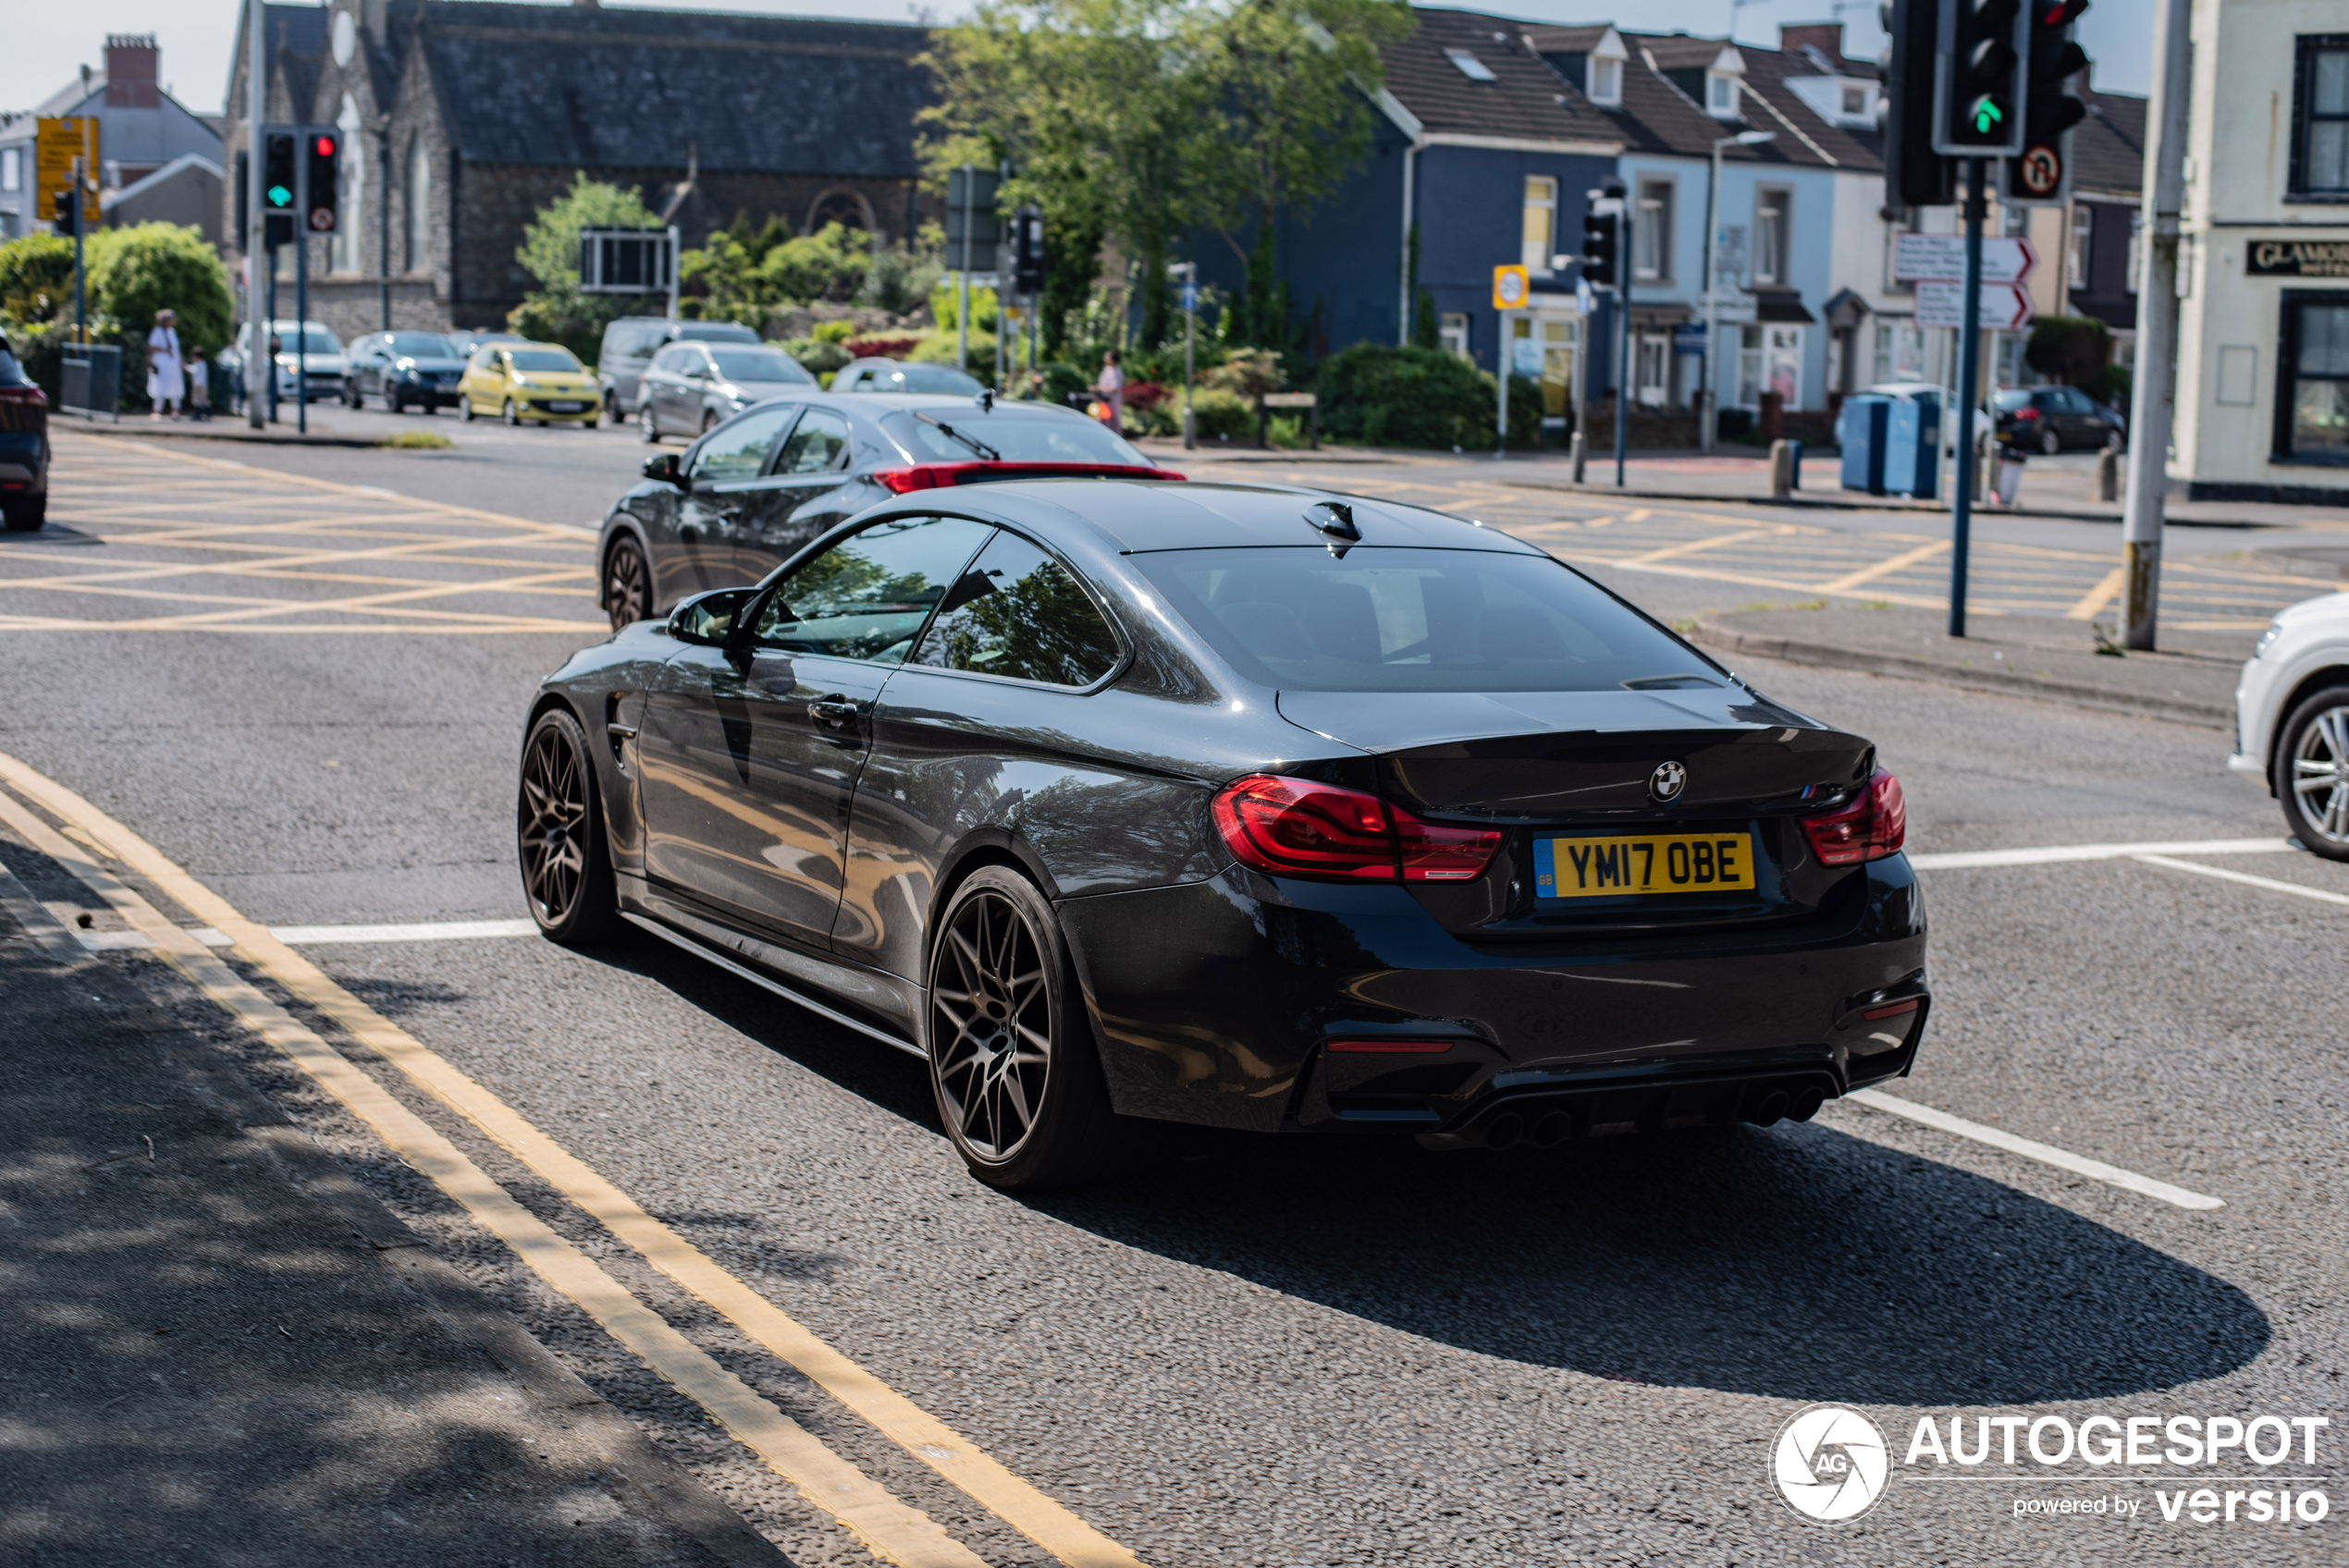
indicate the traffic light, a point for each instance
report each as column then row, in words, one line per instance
column 277, row 175
column 1027, row 252
column 2042, row 171
column 324, row 149
column 66, row 211
column 1914, row 174
column 1978, row 90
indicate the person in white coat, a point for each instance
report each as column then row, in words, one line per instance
column 166, row 368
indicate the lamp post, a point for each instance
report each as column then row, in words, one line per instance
column 1707, row 425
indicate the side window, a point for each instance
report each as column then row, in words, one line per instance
column 1020, row 614
column 818, row 445
column 866, row 596
column 672, row 359
column 739, row 451
column 484, row 359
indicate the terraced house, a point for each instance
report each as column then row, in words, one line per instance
column 466, row 117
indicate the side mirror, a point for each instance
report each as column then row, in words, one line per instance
column 708, row 619
column 664, row 467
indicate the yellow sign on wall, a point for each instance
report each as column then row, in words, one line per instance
column 56, row 144
column 1512, row 286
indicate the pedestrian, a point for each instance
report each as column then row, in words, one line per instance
column 166, row 369
column 1112, row 387
column 199, row 388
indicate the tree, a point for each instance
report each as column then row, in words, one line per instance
column 36, row 278
column 2073, row 350
column 135, row 271
column 557, row 310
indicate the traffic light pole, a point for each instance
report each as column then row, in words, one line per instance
column 1623, row 377
column 302, row 290
column 1969, row 389
column 2153, row 397
column 80, row 302
column 260, row 371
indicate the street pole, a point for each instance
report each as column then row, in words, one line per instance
column 1969, row 379
column 301, row 282
column 1501, row 432
column 1710, row 398
column 80, row 302
column 1622, row 337
column 259, row 371
column 2153, row 399
column 1190, row 346
column 676, row 253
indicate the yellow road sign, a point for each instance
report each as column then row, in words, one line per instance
column 1511, row 287
column 56, row 144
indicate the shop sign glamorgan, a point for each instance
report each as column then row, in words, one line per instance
column 2297, row 258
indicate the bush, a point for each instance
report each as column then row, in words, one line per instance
column 1217, row 414
column 2071, row 349
column 1158, row 419
column 1386, row 396
column 818, row 355
column 2113, row 386
column 36, row 278
column 1060, row 380
column 893, row 347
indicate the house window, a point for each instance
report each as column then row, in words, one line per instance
column 2312, row 416
column 1899, row 352
column 12, row 168
column 2137, row 245
column 1651, row 235
column 1540, row 211
column 1721, row 95
column 1452, row 331
column 2321, row 132
column 1855, row 101
column 1471, row 66
column 2084, row 235
column 1652, row 386
column 1606, row 83
column 418, row 205
column 1772, row 210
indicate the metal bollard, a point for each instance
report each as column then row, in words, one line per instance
column 2109, row 474
column 1575, row 447
column 1781, row 470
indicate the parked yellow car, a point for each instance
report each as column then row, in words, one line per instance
column 528, row 384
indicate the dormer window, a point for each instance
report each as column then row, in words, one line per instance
column 1471, row 66
column 1604, row 75
column 1855, row 101
column 1720, row 95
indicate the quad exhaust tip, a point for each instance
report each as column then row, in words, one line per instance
column 1553, row 1129
column 1504, row 1131
column 1769, row 1109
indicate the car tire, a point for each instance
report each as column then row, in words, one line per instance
column 466, row 407
column 628, row 584
column 2312, row 748
column 1014, row 1066
column 647, row 424
column 559, row 832
column 2050, row 443
column 506, row 412
column 395, row 402
column 26, row 514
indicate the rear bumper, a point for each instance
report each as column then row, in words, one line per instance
column 1213, row 1002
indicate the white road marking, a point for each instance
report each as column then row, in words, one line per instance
column 2047, row 1153
column 2053, row 854
column 2245, row 877
column 433, row 931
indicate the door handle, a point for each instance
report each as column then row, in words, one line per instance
column 833, row 713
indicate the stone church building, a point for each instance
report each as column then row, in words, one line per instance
column 460, row 118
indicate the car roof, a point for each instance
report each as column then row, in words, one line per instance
column 1149, row 515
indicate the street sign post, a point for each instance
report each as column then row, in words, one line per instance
column 57, row 142
column 2004, row 307
column 1942, row 257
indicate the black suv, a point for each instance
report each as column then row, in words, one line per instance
column 24, row 446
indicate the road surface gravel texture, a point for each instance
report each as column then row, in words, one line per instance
column 1297, row 1352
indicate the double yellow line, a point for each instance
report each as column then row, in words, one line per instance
column 891, row 1530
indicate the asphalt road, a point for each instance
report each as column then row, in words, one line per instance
column 1304, row 1353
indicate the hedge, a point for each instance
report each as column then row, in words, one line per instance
column 1385, row 395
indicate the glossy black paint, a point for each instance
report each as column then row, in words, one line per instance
column 373, row 369
column 805, row 817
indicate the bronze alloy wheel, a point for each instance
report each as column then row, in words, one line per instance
column 2312, row 772
column 565, row 872
column 1012, row 1062
column 628, row 587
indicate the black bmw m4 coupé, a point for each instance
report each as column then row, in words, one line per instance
column 1241, row 805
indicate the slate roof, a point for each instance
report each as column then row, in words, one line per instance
column 1817, row 140
column 1526, row 100
column 2108, row 147
column 1655, row 116
column 630, row 88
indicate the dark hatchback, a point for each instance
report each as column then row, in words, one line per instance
column 402, row 369
column 1242, row 806
column 24, row 446
column 2055, row 419
column 735, row 502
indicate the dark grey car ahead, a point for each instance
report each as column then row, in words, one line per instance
column 757, row 487
column 404, row 370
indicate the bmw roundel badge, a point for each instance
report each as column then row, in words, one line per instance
column 1667, row 782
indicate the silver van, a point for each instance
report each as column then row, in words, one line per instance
column 629, row 344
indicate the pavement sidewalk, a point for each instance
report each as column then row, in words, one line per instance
column 223, row 1350
column 2191, row 680
column 219, row 427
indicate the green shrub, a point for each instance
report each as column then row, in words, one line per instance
column 1060, row 380
column 2071, row 349
column 2112, row 385
column 1217, row 414
column 1387, row 396
column 816, row 355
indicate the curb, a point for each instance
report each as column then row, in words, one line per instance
column 1873, row 504
column 153, row 432
column 1829, row 656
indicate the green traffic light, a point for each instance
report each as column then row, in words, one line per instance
column 280, row 197
column 1986, row 115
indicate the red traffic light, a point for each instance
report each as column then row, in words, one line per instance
column 325, row 146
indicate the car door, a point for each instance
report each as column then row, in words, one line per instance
column 722, row 491
column 985, row 711
column 805, row 493
column 751, row 753
column 659, row 387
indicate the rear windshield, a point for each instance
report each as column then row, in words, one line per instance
column 717, row 332
column 316, row 340
column 758, row 364
column 1391, row 619
column 2010, row 400
column 919, row 378
column 544, row 359
column 422, row 346
column 947, row 435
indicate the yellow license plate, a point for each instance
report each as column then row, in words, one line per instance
column 1642, row 862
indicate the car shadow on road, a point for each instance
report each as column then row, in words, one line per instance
column 1796, row 1263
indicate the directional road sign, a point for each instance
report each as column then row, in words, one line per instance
column 1941, row 302
column 2005, row 258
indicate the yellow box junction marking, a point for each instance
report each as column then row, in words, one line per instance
column 894, row 1532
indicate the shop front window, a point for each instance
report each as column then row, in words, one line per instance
column 2314, row 416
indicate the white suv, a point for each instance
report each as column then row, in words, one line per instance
column 2291, row 721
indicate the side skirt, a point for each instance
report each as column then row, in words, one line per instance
column 669, row 934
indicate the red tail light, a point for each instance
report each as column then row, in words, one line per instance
column 1295, row 827
column 937, row 476
column 1872, row 827
column 2026, row 413
column 25, row 394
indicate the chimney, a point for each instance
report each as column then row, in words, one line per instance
column 1825, row 37
column 134, row 65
